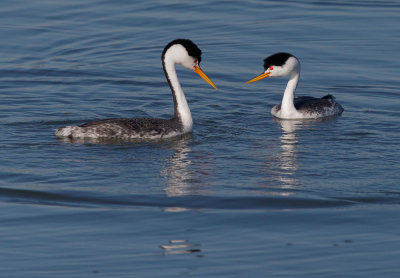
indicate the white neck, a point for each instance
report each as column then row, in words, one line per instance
column 288, row 111
column 181, row 107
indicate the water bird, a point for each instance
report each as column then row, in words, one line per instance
column 304, row 107
column 180, row 51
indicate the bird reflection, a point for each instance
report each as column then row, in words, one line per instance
column 281, row 162
column 285, row 163
column 178, row 171
column 287, row 158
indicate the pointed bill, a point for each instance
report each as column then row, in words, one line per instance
column 204, row 76
column 261, row 76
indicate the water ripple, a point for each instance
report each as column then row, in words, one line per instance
column 85, row 199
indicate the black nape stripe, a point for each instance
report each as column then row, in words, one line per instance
column 191, row 48
column 277, row 59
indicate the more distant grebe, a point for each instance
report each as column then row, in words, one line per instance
column 305, row 107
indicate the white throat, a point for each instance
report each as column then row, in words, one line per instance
column 288, row 111
column 182, row 107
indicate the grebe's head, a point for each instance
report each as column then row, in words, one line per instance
column 184, row 52
column 277, row 65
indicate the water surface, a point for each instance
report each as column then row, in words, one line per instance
column 244, row 195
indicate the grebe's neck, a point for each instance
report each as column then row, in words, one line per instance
column 181, row 107
column 287, row 106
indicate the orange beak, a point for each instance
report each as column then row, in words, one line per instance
column 261, row 76
column 198, row 70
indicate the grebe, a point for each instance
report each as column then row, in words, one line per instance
column 180, row 51
column 305, row 107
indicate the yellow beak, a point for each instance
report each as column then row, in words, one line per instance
column 198, row 70
column 261, row 76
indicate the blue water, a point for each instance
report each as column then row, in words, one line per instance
column 244, row 195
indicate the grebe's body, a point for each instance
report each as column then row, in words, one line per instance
column 125, row 129
column 180, row 51
column 305, row 107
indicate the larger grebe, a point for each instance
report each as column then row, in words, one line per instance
column 180, row 51
column 305, row 107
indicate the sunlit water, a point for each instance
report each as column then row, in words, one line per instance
column 244, row 195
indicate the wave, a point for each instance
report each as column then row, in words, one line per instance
column 89, row 199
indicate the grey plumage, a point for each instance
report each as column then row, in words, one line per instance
column 308, row 104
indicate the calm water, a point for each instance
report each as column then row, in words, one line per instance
column 244, row 195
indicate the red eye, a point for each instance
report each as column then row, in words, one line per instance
column 271, row 68
column 195, row 61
